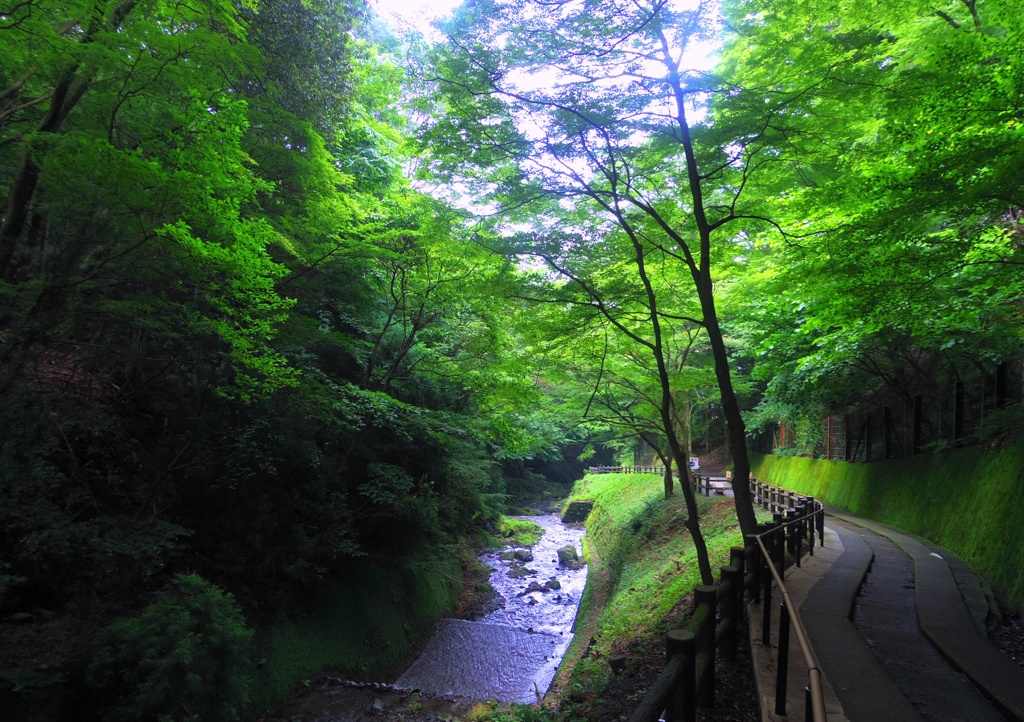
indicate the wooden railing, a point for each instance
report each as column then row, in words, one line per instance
column 796, row 519
column 687, row 682
column 706, row 485
column 651, row 469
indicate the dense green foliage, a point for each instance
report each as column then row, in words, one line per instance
column 234, row 340
column 584, row 119
column 891, row 267
column 188, row 656
column 362, row 625
column 959, row 499
column 285, row 298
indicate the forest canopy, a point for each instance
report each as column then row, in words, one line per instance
column 284, row 289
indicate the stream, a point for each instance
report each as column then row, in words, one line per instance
column 511, row 654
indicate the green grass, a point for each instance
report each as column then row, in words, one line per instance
column 967, row 500
column 519, row 531
column 642, row 564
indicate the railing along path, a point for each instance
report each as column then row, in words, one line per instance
column 687, row 682
column 706, row 485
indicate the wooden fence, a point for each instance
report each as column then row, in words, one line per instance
column 687, row 682
column 631, row 470
column 706, row 485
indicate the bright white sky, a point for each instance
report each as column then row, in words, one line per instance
column 418, row 14
column 414, row 13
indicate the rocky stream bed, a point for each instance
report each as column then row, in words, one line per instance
column 509, row 653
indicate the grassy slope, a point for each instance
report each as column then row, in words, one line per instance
column 967, row 500
column 642, row 564
column 369, row 624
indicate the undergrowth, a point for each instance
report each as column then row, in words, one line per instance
column 358, row 627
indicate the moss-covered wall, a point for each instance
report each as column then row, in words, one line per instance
column 369, row 623
column 970, row 501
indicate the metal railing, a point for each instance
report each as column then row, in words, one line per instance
column 687, row 682
column 796, row 519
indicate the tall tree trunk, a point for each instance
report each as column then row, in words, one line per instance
column 23, row 186
column 65, row 96
column 666, row 460
column 683, row 409
column 737, row 430
column 700, row 269
column 666, row 409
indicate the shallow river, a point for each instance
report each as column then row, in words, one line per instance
column 511, row 654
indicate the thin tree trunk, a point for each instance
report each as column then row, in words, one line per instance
column 701, row 272
column 66, row 95
column 666, row 410
column 737, row 431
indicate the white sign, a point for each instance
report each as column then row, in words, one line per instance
column 694, row 463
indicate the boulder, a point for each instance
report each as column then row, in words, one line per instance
column 534, row 587
column 568, row 556
column 523, row 555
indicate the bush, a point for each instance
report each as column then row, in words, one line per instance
column 188, row 656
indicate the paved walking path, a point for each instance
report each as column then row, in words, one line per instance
column 898, row 626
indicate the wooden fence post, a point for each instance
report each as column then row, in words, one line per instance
column 730, row 613
column 683, row 705
column 766, row 586
column 704, row 613
column 779, row 538
column 782, row 662
column 811, row 523
column 738, row 559
column 798, row 532
column 791, row 530
column 755, row 564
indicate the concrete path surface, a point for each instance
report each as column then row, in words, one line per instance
column 898, row 628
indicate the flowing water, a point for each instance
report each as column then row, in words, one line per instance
column 510, row 654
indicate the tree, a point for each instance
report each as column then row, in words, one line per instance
column 599, row 284
column 896, row 251
column 611, row 380
column 594, row 107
